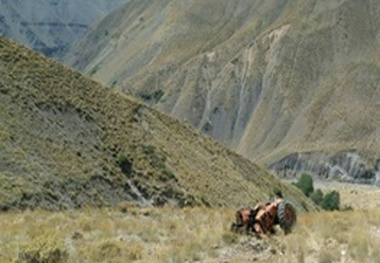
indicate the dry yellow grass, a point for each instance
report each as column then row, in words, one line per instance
column 170, row 234
column 143, row 235
column 336, row 237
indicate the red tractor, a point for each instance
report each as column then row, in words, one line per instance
column 264, row 217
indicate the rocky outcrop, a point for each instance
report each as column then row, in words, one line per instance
column 349, row 166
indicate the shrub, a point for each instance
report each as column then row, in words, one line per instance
column 125, row 163
column 149, row 149
column 135, row 251
column 305, row 183
column 109, row 249
column 157, row 95
column 44, row 249
column 331, row 201
column 152, row 97
column 54, row 256
column 317, row 196
column 346, row 208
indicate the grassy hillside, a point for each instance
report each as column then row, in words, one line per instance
column 67, row 141
column 267, row 79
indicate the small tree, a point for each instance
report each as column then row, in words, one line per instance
column 317, row 196
column 305, row 183
column 331, row 201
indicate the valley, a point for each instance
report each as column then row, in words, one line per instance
column 168, row 116
column 273, row 82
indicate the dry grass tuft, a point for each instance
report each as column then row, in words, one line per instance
column 109, row 235
column 335, row 236
column 48, row 249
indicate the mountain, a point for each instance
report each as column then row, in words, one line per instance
column 69, row 142
column 293, row 85
column 49, row 26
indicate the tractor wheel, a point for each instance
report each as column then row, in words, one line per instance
column 287, row 216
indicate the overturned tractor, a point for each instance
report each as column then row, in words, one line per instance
column 264, row 217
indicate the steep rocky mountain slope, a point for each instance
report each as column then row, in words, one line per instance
column 291, row 84
column 49, row 26
column 67, row 141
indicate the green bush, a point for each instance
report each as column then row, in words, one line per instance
column 331, row 201
column 305, row 183
column 317, row 196
column 157, row 95
column 125, row 163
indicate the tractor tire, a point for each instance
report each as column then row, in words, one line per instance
column 287, row 216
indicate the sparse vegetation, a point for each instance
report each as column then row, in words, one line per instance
column 330, row 201
column 169, row 234
column 45, row 249
column 152, row 97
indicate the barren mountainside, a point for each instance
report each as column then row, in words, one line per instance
column 293, row 85
column 49, row 26
column 67, row 141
